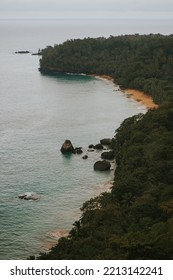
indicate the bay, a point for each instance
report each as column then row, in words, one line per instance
column 37, row 113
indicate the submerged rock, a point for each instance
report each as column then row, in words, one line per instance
column 102, row 165
column 67, row 147
column 29, row 196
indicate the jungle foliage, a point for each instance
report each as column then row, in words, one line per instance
column 135, row 219
column 142, row 62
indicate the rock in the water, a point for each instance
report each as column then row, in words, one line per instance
column 67, row 147
column 78, row 150
column 91, row 146
column 108, row 155
column 106, row 141
column 22, row 52
column 98, row 147
column 85, row 157
column 28, row 196
column 102, row 165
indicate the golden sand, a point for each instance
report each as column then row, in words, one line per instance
column 137, row 95
column 140, row 96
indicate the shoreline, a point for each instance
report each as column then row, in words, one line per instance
column 141, row 97
column 104, row 77
column 52, row 237
column 137, row 95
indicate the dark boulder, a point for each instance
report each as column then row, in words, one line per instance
column 102, row 165
column 91, row 146
column 78, row 150
column 108, row 155
column 85, row 157
column 67, row 147
column 106, row 141
column 98, row 147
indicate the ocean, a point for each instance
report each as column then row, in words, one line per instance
column 37, row 113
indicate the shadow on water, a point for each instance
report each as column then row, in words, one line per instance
column 69, row 76
column 67, row 155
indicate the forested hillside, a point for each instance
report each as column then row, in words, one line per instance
column 142, row 62
column 135, row 219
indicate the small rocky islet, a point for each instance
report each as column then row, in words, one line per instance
column 100, row 165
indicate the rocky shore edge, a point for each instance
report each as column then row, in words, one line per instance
column 107, row 159
column 105, row 146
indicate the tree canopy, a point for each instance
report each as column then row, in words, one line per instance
column 142, row 62
column 135, row 219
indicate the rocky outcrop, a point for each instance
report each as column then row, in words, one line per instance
column 102, row 165
column 29, row 196
column 108, row 155
column 106, row 141
column 91, row 146
column 85, row 157
column 78, row 150
column 67, row 147
column 98, row 147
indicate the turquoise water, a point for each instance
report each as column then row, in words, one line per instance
column 37, row 113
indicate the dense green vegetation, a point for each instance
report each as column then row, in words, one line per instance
column 135, row 219
column 142, row 62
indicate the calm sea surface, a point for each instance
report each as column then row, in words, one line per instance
column 37, row 113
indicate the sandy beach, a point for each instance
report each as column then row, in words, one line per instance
column 139, row 96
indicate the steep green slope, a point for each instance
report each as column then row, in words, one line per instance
column 135, row 220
